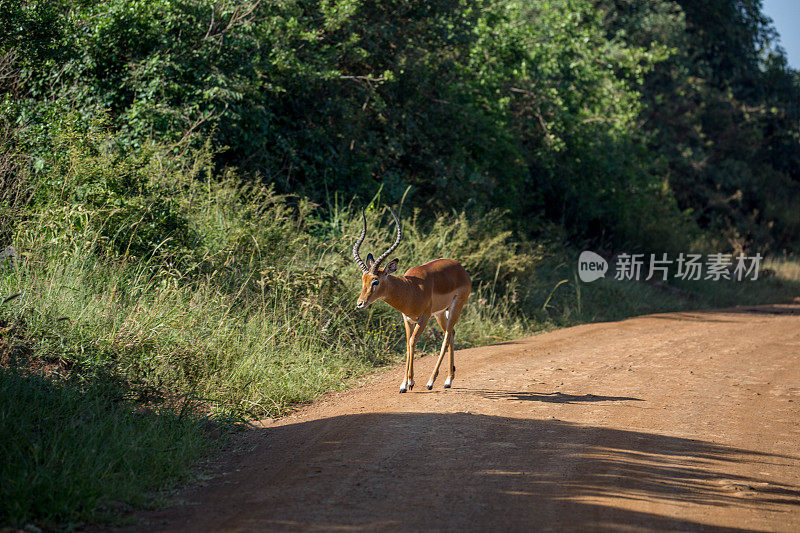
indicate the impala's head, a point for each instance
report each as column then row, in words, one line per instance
column 373, row 277
column 373, row 283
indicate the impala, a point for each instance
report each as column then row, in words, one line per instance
column 439, row 288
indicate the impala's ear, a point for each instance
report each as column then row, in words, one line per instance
column 369, row 261
column 391, row 268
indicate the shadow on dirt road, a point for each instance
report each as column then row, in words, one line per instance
column 464, row 472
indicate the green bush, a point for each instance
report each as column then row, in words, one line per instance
column 530, row 109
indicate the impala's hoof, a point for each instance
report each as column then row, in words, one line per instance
column 448, row 383
column 429, row 386
column 411, row 386
column 402, row 391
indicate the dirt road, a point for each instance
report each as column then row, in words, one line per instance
column 682, row 421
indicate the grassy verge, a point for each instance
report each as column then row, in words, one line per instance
column 77, row 449
column 608, row 299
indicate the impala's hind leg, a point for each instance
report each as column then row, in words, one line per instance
column 452, row 374
column 454, row 315
column 442, row 320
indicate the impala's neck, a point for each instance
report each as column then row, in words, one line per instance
column 399, row 292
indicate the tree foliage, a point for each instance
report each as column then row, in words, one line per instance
column 625, row 121
column 723, row 114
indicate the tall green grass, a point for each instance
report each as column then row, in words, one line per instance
column 249, row 334
column 264, row 318
column 78, row 449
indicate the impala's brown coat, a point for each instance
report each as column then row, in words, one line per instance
column 426, row 289
column 439, row 288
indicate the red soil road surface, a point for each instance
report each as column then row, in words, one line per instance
column 681, row 421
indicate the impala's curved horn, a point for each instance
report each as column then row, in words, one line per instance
column 391, row 249
column 357, row 245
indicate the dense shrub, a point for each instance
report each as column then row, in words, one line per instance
column 559, row 111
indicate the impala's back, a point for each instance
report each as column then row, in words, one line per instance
column 445, row 279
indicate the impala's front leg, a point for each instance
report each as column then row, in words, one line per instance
column 422, row 321
column 409, row 333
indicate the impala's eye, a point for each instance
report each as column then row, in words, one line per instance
column 375, row 282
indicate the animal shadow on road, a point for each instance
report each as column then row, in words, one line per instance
column 546, row 397
column 461, row 471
